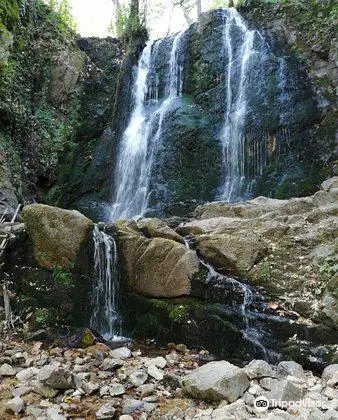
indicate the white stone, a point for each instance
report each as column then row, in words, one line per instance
column 104, row 390
column 157, row 361
column 329, row 372
column 90, row 387
column 155, row 373
column 216, row 381
column 27, row 374
column 290, row 368
column 54, row 414
column 172, row 359
column 15, row 406
column 138, row 378
column 105, row 412
column 21, row 391
column 116, row 389
column 55, row 377
column 256, row 390
column 6, row 370
column 259, row 369
column 331, row 393
column 121, row 353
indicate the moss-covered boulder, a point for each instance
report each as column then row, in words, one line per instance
column 49, row 266
column 57, row 234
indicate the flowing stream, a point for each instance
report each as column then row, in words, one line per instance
column 251, row 333
column 143, row 133
column 105, row 318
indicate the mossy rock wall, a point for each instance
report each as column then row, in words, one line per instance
column 57, row 95
column 284, row 151
column 49, row 266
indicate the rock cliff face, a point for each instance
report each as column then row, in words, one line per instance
column 39, row 92
column 275, row 259
column 286, row 246
column 65, row 103
column 56, row 100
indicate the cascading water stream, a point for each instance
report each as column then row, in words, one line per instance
column 233, row 136
column 250, row 333
column 105, row 318
column 143, row 133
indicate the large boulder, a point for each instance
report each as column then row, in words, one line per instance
column 230, row 252
column 58, row 235
column 285, row 246
column 156, row 267
column 50, row 265
column 216, row 381
column 157, row 228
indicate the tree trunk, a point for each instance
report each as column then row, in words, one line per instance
column 186, row 14
column 134, row 13
column 199, row 8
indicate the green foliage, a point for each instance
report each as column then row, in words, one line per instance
column 121, row 21
column 178, row 312
column 265, row 272
column 62, row 277
column 43, row 317
column 329, row 269
column 63, row 11
column 9, row 13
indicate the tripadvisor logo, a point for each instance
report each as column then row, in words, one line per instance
column 261, row 404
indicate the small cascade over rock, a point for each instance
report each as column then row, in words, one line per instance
column 143, row 134
column 105, row 293
column 245, row 303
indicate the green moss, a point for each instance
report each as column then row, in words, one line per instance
column 147, row 325
column 177, row 310
column 265, row 272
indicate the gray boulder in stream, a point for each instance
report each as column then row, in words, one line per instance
column 216, row 381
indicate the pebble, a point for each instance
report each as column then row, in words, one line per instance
column 138, row 378
column 131, row 385
column 15, row 406
column 6, row 370
column 106, row 411
column 116, row 389
column 155, row 373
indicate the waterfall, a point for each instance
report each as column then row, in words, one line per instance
column 237, row 72
column 251, row 333
column 143, row 133
column 105, row 318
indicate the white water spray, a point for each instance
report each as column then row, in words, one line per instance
column 233, row 136
column 143, row 133
column 105, row 318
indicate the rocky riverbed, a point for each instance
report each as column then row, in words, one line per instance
column 47, row 381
